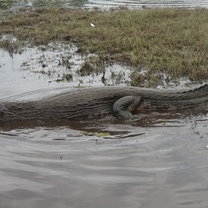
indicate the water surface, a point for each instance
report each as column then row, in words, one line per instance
column 153, row 164
column 158, row 164
column 136, row 167
column 104, row 4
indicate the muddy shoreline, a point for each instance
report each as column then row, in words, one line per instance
column 125, row 37
column 159, row 162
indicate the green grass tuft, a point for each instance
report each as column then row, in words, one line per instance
column 173, row 41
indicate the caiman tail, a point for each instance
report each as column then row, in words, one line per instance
column 177, row 99
column 95, row 103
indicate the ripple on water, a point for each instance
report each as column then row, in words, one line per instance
column 153, row 165
column 87, row 171
column 103, row 4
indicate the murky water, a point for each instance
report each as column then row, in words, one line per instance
column 159, row 164
column 162, row 164
column 141, row 167
column 103, row 4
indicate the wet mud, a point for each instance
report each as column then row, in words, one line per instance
column 158, row 161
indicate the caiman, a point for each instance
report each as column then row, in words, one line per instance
column 94, row 103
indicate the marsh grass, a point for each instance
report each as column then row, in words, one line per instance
column 173, row 41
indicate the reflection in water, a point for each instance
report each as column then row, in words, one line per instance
column 50, row 69
column 60, row 167
column 6, row 4
column 153, row 163
column 138, row 4
column 104, row 4
column 160, row 164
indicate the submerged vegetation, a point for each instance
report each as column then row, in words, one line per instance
column 169, row 41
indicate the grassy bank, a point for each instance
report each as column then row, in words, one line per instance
column 173, row 41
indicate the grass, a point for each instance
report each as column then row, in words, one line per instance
column 172, row 41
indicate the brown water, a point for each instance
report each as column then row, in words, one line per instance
column 158, row 163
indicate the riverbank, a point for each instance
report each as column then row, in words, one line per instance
column 171, row 42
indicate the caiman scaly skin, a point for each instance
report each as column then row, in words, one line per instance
column 95, row 103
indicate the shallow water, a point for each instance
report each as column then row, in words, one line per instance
column 151, row 164
column 160, row 164
column 136, row 167
column 104, row 4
